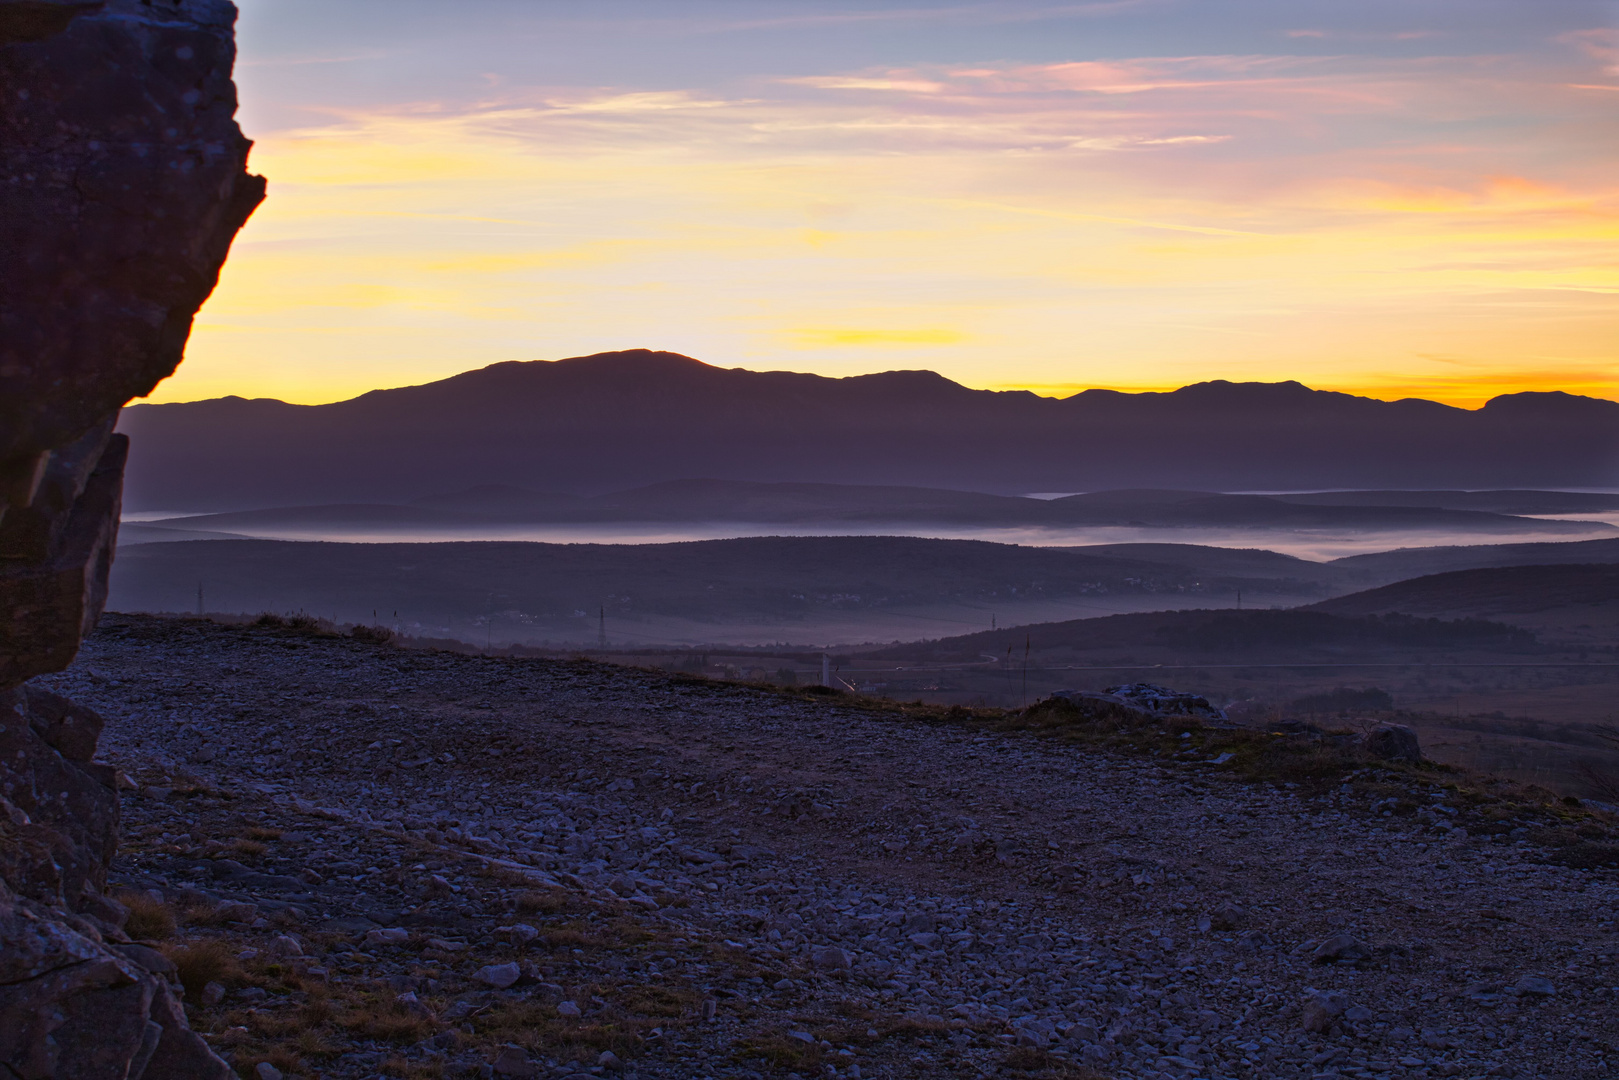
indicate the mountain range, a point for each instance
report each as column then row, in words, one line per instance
column 612, row 421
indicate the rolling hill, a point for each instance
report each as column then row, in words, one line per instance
column 614, row 421
column 1495, row 591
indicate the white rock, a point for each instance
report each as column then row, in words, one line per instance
column 1536, row 985
column 286, row 945
column 832, row 958
column 500, row 976
column 513, row 1061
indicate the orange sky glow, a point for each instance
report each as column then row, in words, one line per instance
column 1062, row 202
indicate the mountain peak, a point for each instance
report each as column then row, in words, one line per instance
column 633, row 358
column 618, row 420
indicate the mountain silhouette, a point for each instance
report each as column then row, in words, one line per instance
column 611, row 421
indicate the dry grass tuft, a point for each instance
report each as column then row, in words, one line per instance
column 377, row 635
column 203, row 962
column 313, row 1043
column 261, row 832
column 1047, row 1066
column 548, row 902
column 781, row 1052
column 249, row 849
column 661, row 1001
column 386, row 1022
column 150, row 919
column 536, row 1026
column 570, row 937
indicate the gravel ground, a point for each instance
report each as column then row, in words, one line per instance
column 425, row 864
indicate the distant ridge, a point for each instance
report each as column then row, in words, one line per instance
column 1493, row 591
column 618, row 420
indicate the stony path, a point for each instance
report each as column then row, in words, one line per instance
column 709, row 880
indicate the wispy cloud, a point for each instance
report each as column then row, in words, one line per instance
column 980, row 14
column 860, row 337
column 305, row 60
column 1353, row 207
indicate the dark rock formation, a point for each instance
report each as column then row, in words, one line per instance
column 1394, row 742
column 124, row 180
column 60, row 808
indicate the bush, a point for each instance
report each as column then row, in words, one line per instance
column 149, row 919
column 206, row 961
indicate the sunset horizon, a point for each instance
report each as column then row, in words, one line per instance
column 1394, row 200
column 1441, row 393
column 781, row 539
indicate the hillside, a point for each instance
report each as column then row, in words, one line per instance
column 417, row 862
column 1575, row 605
column 1241, row 637
column 620, row 420
column 1508, row 590
column 1497, row 502
column 802, row 589
column 1354, row 572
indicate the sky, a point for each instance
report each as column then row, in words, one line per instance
column 1412, row 198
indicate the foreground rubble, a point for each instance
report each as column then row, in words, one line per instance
column 392, row 863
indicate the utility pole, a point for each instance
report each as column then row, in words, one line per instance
column 1027, row 641
column 199, row 599
column 1239, row 599
column 826, row 669
column 601, row 630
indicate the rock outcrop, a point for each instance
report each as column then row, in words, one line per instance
column 1394, row 742
column 124, row 179
column 125, row 182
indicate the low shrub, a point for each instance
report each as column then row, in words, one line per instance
column 203, row 962
column 150, row 919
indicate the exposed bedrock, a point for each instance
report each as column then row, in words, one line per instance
column 123, row 180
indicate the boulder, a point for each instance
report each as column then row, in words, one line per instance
column 75, row 1008
column 1535, row 986
column 1321, row 1010
column 513, row 1060
column 1340, row 949
column 49, row 602
column 1228, row 916
column 58, row 815
column 1394, row 742
column 499, row 976
column 1150, row 700
column 831, row 958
